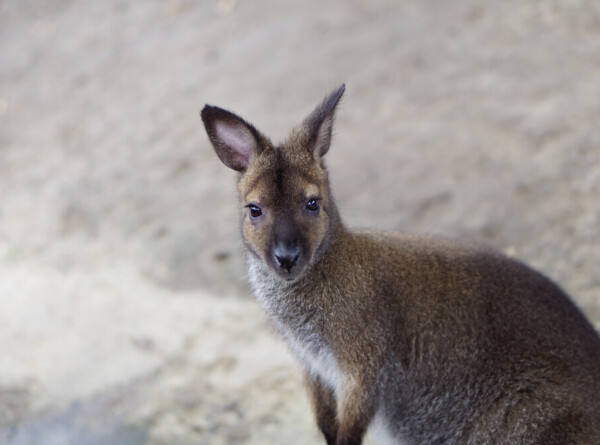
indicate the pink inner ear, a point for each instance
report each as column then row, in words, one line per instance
column 239, row 138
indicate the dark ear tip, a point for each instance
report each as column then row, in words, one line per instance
column 210, row 113
column 208, row 109
column 336, row 95
column 205, row 112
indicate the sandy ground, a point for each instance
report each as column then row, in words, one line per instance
column 125, row 315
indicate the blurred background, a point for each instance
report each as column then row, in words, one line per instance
column 125, row 317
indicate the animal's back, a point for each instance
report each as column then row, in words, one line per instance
column 485, row 347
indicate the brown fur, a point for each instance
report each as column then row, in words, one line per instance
column 445, row 343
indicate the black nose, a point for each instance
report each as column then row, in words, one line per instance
column 287, row 256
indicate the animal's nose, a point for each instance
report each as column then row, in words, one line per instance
column 287, row 255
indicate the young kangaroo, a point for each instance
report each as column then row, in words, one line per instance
column 443, row 343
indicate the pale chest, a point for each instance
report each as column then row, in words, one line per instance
column 298, row 324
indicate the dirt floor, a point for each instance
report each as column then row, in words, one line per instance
column 126, row 318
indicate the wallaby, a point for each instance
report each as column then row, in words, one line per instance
column 440, row 342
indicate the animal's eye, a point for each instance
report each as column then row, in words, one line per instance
column 255, row 211
column 312, row 205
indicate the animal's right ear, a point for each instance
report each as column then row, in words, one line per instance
column 235, row 141
column 319, row 123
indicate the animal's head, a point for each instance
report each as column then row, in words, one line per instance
column 288, row 216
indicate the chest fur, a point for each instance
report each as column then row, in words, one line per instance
column 300, row 322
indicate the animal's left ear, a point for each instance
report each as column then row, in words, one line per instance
column 236, row 142
column 319, row 123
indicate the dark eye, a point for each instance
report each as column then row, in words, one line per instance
column 312, row 205
column 255, row 211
